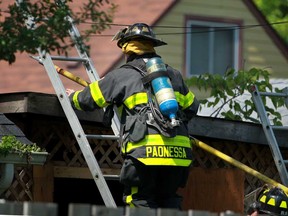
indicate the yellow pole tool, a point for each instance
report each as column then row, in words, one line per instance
column 236, row 163
column 71, row 76
column 65, row 73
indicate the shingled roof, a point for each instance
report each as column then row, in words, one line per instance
column 8, row 128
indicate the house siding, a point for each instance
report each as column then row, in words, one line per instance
column 258, row 49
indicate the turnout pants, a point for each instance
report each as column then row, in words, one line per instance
column 152, row 186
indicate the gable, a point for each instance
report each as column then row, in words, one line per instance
column 256, row 47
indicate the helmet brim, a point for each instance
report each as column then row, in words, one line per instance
column 156, row 42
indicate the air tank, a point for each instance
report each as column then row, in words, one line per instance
column 163, row 90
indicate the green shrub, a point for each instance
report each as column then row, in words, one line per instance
column 225, row 91
column 9, row 144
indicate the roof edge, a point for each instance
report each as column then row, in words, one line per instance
column 239, row 131
column 279, row 42
column 42, row 104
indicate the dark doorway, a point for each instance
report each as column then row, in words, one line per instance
column 67, row 190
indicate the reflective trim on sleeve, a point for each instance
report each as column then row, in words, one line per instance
column 136, row 99
column 185, row 100
column 97, row 94
column 75, row 100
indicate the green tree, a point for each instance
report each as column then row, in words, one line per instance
column 50, row 31
column 276, row 11
column 226, row 90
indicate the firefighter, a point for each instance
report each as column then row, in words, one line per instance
column 157, row 156
column 270, row 201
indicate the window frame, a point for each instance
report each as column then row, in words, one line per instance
column 212, row 24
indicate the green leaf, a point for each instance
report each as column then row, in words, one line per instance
column 50, row 34
column 227, row 89
column 9, row 144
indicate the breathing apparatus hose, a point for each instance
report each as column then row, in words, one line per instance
column 156, row 113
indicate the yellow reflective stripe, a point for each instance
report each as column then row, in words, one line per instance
column 156, row 139
column 136, row 99
column 283, row 204
column 185, row 100
column 271, row 202
column 129, row 198
column 97, row 94
column 75, row 100
column 263, row 199
column 166, row 161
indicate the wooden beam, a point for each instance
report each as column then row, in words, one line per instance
column 81, row 172
column 43, row 186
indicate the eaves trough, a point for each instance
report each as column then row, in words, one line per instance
column 33, row 158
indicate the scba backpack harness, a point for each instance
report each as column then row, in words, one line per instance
column 134, row 123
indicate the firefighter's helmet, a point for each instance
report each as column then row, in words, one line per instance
column 137, row 31
column 273, row 201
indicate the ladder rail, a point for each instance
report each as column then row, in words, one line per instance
column 78, row 131
column 269, row 133
column 72, row 118
column 91, row 71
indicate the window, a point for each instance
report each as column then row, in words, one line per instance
column 211, row 47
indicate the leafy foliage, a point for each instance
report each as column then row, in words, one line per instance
column 9, row 144
column 276, row 11
column 226, row 90
column 49, row 28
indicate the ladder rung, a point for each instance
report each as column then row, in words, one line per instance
column 106, row 137
column 280, row 127
column 273, row 94
column 111, row 177
column 285, row 161
column 64, row 58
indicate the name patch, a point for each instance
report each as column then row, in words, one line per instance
column 166, row 151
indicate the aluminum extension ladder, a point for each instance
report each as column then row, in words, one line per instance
column 73, row 120
column 269, row 130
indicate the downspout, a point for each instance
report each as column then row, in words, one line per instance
column 6, row 176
